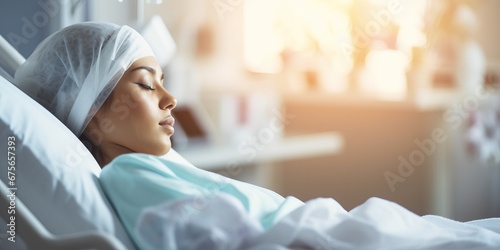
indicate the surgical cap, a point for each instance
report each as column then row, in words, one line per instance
column 73, row 71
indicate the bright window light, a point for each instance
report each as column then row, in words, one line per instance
column 307, row 26
column 331, row 38
column 386, row 74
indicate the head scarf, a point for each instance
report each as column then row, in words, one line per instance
column 73, row 71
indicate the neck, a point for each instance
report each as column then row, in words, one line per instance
column 109, row 151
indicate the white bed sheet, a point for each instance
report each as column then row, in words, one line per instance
column 319, row 224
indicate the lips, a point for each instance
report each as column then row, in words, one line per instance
column 168, row 124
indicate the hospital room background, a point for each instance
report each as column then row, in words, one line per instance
column 349, row 99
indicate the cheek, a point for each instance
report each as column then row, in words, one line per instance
column 143, row 113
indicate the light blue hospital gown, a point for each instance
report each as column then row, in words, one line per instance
column 134, row 182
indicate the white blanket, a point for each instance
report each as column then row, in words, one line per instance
column 221, row 222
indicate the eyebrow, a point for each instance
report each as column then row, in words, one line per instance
column 149, row 69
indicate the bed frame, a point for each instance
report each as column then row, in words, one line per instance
column 34, row 234
column 10, row 58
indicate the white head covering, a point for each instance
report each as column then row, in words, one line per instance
column 73, row 71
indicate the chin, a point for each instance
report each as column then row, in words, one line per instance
column 163, row 149
column 166, row 151
column 157, row 147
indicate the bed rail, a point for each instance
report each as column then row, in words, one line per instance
column 36, row 236
column 10, row 58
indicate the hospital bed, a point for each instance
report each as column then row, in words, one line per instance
column 50, row 197
column 49, row 180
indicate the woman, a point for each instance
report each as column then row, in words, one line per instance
column 105, row 84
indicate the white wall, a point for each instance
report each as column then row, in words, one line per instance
column 488, row 34
column 113, row 11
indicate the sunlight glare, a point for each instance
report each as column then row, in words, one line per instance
column 386, row 71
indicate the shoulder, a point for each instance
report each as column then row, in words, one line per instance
column 128, row 177
column 129, row 166
column 140, row 161
column 130, row 161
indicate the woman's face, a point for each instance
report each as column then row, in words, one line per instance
column 137, row 115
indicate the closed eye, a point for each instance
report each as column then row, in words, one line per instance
column 145, row 86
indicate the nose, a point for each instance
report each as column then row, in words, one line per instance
column 167, row 101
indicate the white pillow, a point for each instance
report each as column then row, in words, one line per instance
column 55, row 175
